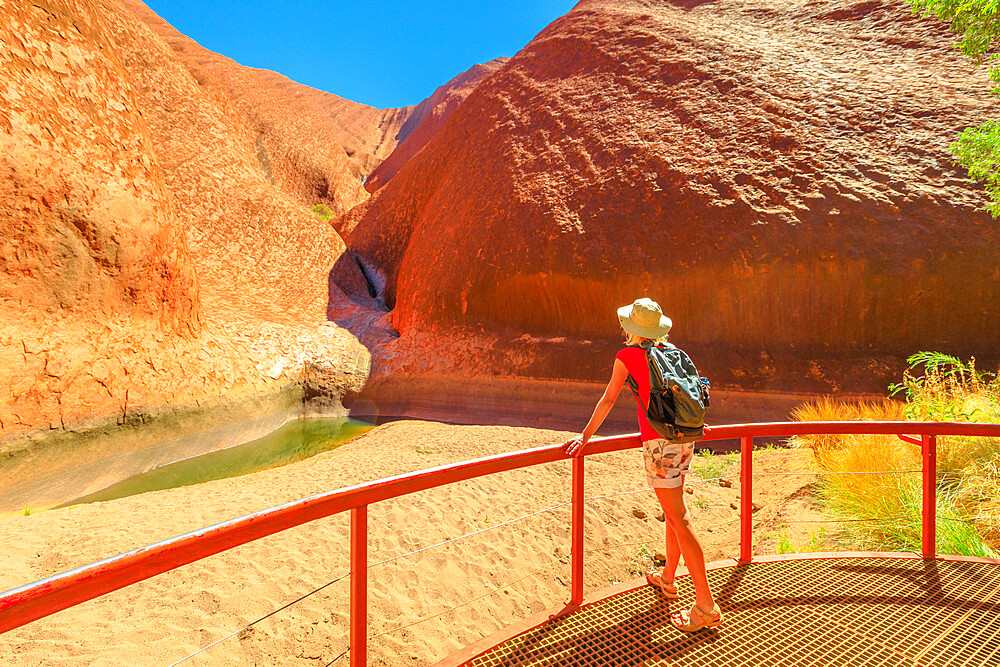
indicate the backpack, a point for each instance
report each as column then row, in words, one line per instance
column 678, row 396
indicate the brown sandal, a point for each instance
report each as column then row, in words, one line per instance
column 698, row 619
column 668, row 591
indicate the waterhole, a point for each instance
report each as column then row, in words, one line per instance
column 295, row 441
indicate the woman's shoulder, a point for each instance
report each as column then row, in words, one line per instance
column 628, row 351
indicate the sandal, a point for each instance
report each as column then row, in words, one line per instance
column 668, row 591
column 698, row 619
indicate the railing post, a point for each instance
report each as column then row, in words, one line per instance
column 929, row 448
column 359, row 585
column 576, row 549
column 746, row 498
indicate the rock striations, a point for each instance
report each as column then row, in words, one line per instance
column 157, row 247
column 776, row 175
column 427, row 118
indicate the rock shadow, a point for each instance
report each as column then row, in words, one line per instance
column 353, row 303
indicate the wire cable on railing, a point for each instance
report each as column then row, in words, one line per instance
column 607, row 547
column 762, row 474
column 891, row 518
column 823, row 473
column 646, row 489
column 950, row 473
column 974, row 520
column 341, row 655
column 272, row 613
column 371, row 565
column 712, row 479
column 885, row 518
column 616, row 495
column 462, row 537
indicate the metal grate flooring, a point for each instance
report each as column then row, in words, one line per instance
column 840, row 611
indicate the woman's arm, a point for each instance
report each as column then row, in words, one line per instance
column 574, row 447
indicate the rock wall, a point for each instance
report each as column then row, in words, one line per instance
column 259, row 251
column 86, row 223
column 157, row 248
column 427, row 118
column 775, row 175
column 316, row 146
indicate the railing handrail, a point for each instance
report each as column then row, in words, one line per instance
column 35, row 600
column 783, row 429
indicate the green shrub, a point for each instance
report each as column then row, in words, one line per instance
column 323, row 211
column 977, row 148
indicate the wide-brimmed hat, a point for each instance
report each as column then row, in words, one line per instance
column 644, row 318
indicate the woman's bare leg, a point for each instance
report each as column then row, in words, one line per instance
column 679, row 519
column 672, row 552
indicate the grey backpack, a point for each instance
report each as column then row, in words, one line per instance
column 678, row 396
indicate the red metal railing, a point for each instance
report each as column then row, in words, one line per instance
column 47, row 596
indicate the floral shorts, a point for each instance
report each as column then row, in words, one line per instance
column 666, row 462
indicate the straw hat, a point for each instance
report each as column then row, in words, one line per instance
column 644, row 318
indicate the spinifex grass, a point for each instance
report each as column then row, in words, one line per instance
column 883, row 509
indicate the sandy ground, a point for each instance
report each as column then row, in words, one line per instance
column 464, row 590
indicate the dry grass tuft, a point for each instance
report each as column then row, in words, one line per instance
column 886, row 507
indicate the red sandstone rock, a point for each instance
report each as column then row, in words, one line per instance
column 148, row 254
column 312, row 144
column 427, row 118
column 775, row 175
column 85, row 220
column 257, row 248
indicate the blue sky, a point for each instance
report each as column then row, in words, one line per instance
column 386, row 54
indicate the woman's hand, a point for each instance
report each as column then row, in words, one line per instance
column 574, row 446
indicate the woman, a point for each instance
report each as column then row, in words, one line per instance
column 666, row 463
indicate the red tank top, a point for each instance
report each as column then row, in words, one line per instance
column 634, row 359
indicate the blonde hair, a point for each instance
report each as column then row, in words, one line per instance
column 632, row 339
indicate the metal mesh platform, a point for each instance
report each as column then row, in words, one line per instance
column 837, row 611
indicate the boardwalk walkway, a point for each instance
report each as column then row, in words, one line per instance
column 877, row 610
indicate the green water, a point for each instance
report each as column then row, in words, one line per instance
column 292, row 442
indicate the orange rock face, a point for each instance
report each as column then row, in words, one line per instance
column 315, row 146
column 85, row 218
column 156, row 245
column 775, row 175
column 427, row 118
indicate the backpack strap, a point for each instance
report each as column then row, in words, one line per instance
column 654, row 370
column 634, row 386
column 630, row 381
